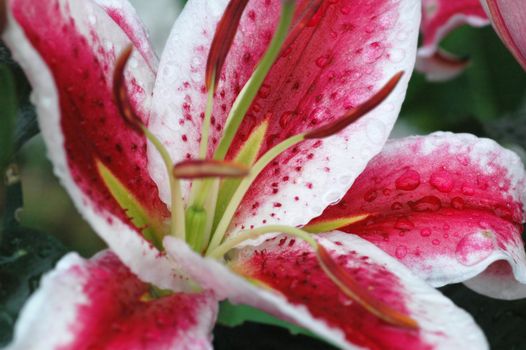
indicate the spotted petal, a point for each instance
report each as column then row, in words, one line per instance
column 289, row 283
column 446, row 205
column 509, row 18
column 100, row 304
column 439, row 18
column 68, row 50
column 344, row 54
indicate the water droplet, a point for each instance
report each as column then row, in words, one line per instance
column 404, row 224
column 475, row 247
column 264, row 91
column 467, row 190
column 427, row 203
column 401, row 251
column 375, row 131
column 457, row 203
column 323, row 61
column 370, row 196
column 442, row 181
column 396, row 55
column 425, row 232
column 408, row 181
column 396, row 206
column 435, row 242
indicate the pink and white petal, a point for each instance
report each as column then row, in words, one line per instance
column 509, row 18
column 440, row 17
column 446, row 205
column 498, row 281
column 68, row 49
column 327, row 70
column 123, row 13
column 100, row 304
column 294, row 287
column 441, row 66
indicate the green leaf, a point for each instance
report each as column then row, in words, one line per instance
column 25, row 255
column 8, row 109
column 235, row 315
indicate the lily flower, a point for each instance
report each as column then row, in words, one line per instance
column 439, row 18
column 213, row 175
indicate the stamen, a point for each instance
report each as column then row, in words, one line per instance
column 251, row 88
column 121, row 93
column 245, row 185
column 205, row 129
column 351, row 287
column 345, row 281
column 199, row 169
column 334, row 224
column 355, row 113
column 177, row 222
column 222, row 42
column 321, row 132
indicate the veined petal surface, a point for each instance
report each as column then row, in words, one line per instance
column 288, row 282
column 446, row 205
column 345, row 53
column 100, row 304
column 68, row 49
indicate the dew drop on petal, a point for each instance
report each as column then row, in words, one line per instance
column 401, row 251
column 475, row 247
column 425, row 232
column 457, row 203
column 404, row 224
column 426, row 204
column 408, row 181
column 442, row 181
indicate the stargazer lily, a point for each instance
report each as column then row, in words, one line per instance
column 439, row 17
column 213, row 175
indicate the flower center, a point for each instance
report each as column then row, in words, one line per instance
column 219, row 186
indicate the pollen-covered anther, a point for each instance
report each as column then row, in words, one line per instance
column 348, row 284
column 198, row 169
column 120, row 92
column 357, row 112
column 223, row 38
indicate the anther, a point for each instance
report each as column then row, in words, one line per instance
column 199, row 169
column 222, row 42
column 356, row 113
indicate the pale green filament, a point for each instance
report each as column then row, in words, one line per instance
column 245, row 184
column 177, row 220
column 205, row 130
column 243, row 236
column 251, row 88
